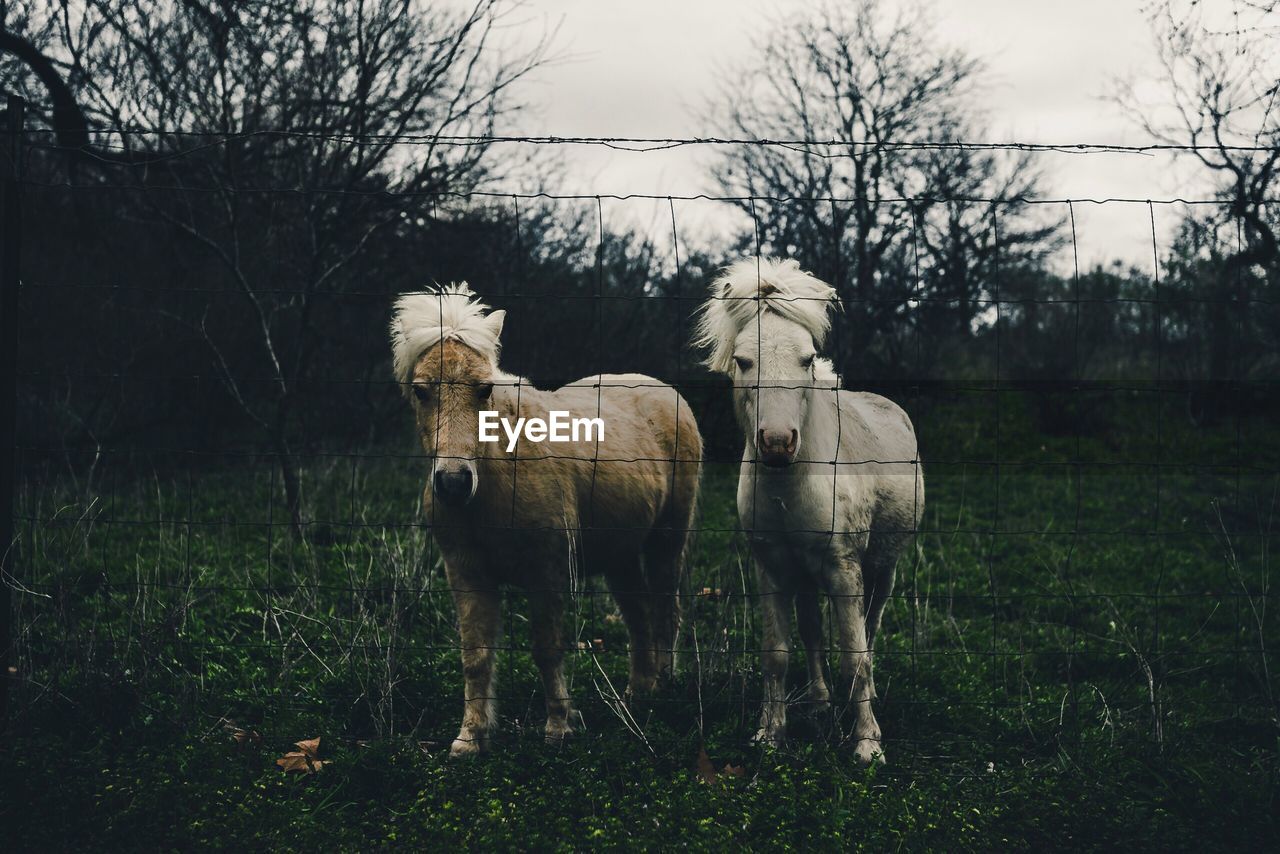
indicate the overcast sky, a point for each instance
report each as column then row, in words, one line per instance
column 647, row 68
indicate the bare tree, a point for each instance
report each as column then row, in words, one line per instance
column 1222, row 100
column 1219, row 101
column 280, row 137
column 869, row 204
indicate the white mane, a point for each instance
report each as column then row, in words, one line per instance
column 749, row 287
column 451, row 313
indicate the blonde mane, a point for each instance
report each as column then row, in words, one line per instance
column 423, row 319
column 749, row 287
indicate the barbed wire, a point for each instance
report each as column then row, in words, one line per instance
column 642, row 144
column 906, row 298
column 509, row 195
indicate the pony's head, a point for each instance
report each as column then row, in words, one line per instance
column 445, row 346
column 763, row 327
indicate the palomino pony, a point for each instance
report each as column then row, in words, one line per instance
column 830, row 489
column 539, row 516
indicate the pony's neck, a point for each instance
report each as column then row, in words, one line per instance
column 822, row 426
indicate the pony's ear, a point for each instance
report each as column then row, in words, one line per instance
column 493, row 322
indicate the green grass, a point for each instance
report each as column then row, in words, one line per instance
column 1051, row 672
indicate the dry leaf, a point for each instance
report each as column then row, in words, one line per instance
column 311, row 747
column 304, row 760
column 295, row 761
column 706, row 771
column 243, row 737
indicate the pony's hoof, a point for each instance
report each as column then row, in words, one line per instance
column 818, row 704
column 557, row 736
column 465, row 746
column 768, row 738
column 869, row 750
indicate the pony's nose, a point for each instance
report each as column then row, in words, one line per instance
column 777, row 447
column 453, row 487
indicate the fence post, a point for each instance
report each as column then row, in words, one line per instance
column 10, row 239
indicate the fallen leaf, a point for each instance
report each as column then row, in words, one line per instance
column 239, row 734
column 294, row 761
column 311, row 747
column 706, row 771
column 246, row 736
column 304, row 760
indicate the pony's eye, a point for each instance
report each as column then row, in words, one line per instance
column 744, row 364
column 422, row 393
column 807, row 363
column 484, row 390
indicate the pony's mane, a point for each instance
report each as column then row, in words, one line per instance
column 423, row 319
column 749, row 287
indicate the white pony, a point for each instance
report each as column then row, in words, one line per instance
column 830, row 489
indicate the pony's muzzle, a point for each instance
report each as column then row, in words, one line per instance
column 454, row 484
column 777, row 448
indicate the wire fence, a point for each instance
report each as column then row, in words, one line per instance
column 209, row 529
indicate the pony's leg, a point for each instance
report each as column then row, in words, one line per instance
column 663, row 559
column 775, row 614
column 855, row 657
column 480, row 623
column 632, row 595
column 876, row 598
column 809, row 617
column 880, row 566
column 548, row 653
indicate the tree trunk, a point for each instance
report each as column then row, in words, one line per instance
column 288, row 472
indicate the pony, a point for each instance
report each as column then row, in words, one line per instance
column 541, row 516
column 830, row 487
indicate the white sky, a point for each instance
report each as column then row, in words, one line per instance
column 646, row 68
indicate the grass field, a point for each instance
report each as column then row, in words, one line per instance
column 1078, row 655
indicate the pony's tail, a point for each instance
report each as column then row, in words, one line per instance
column 687, row 520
